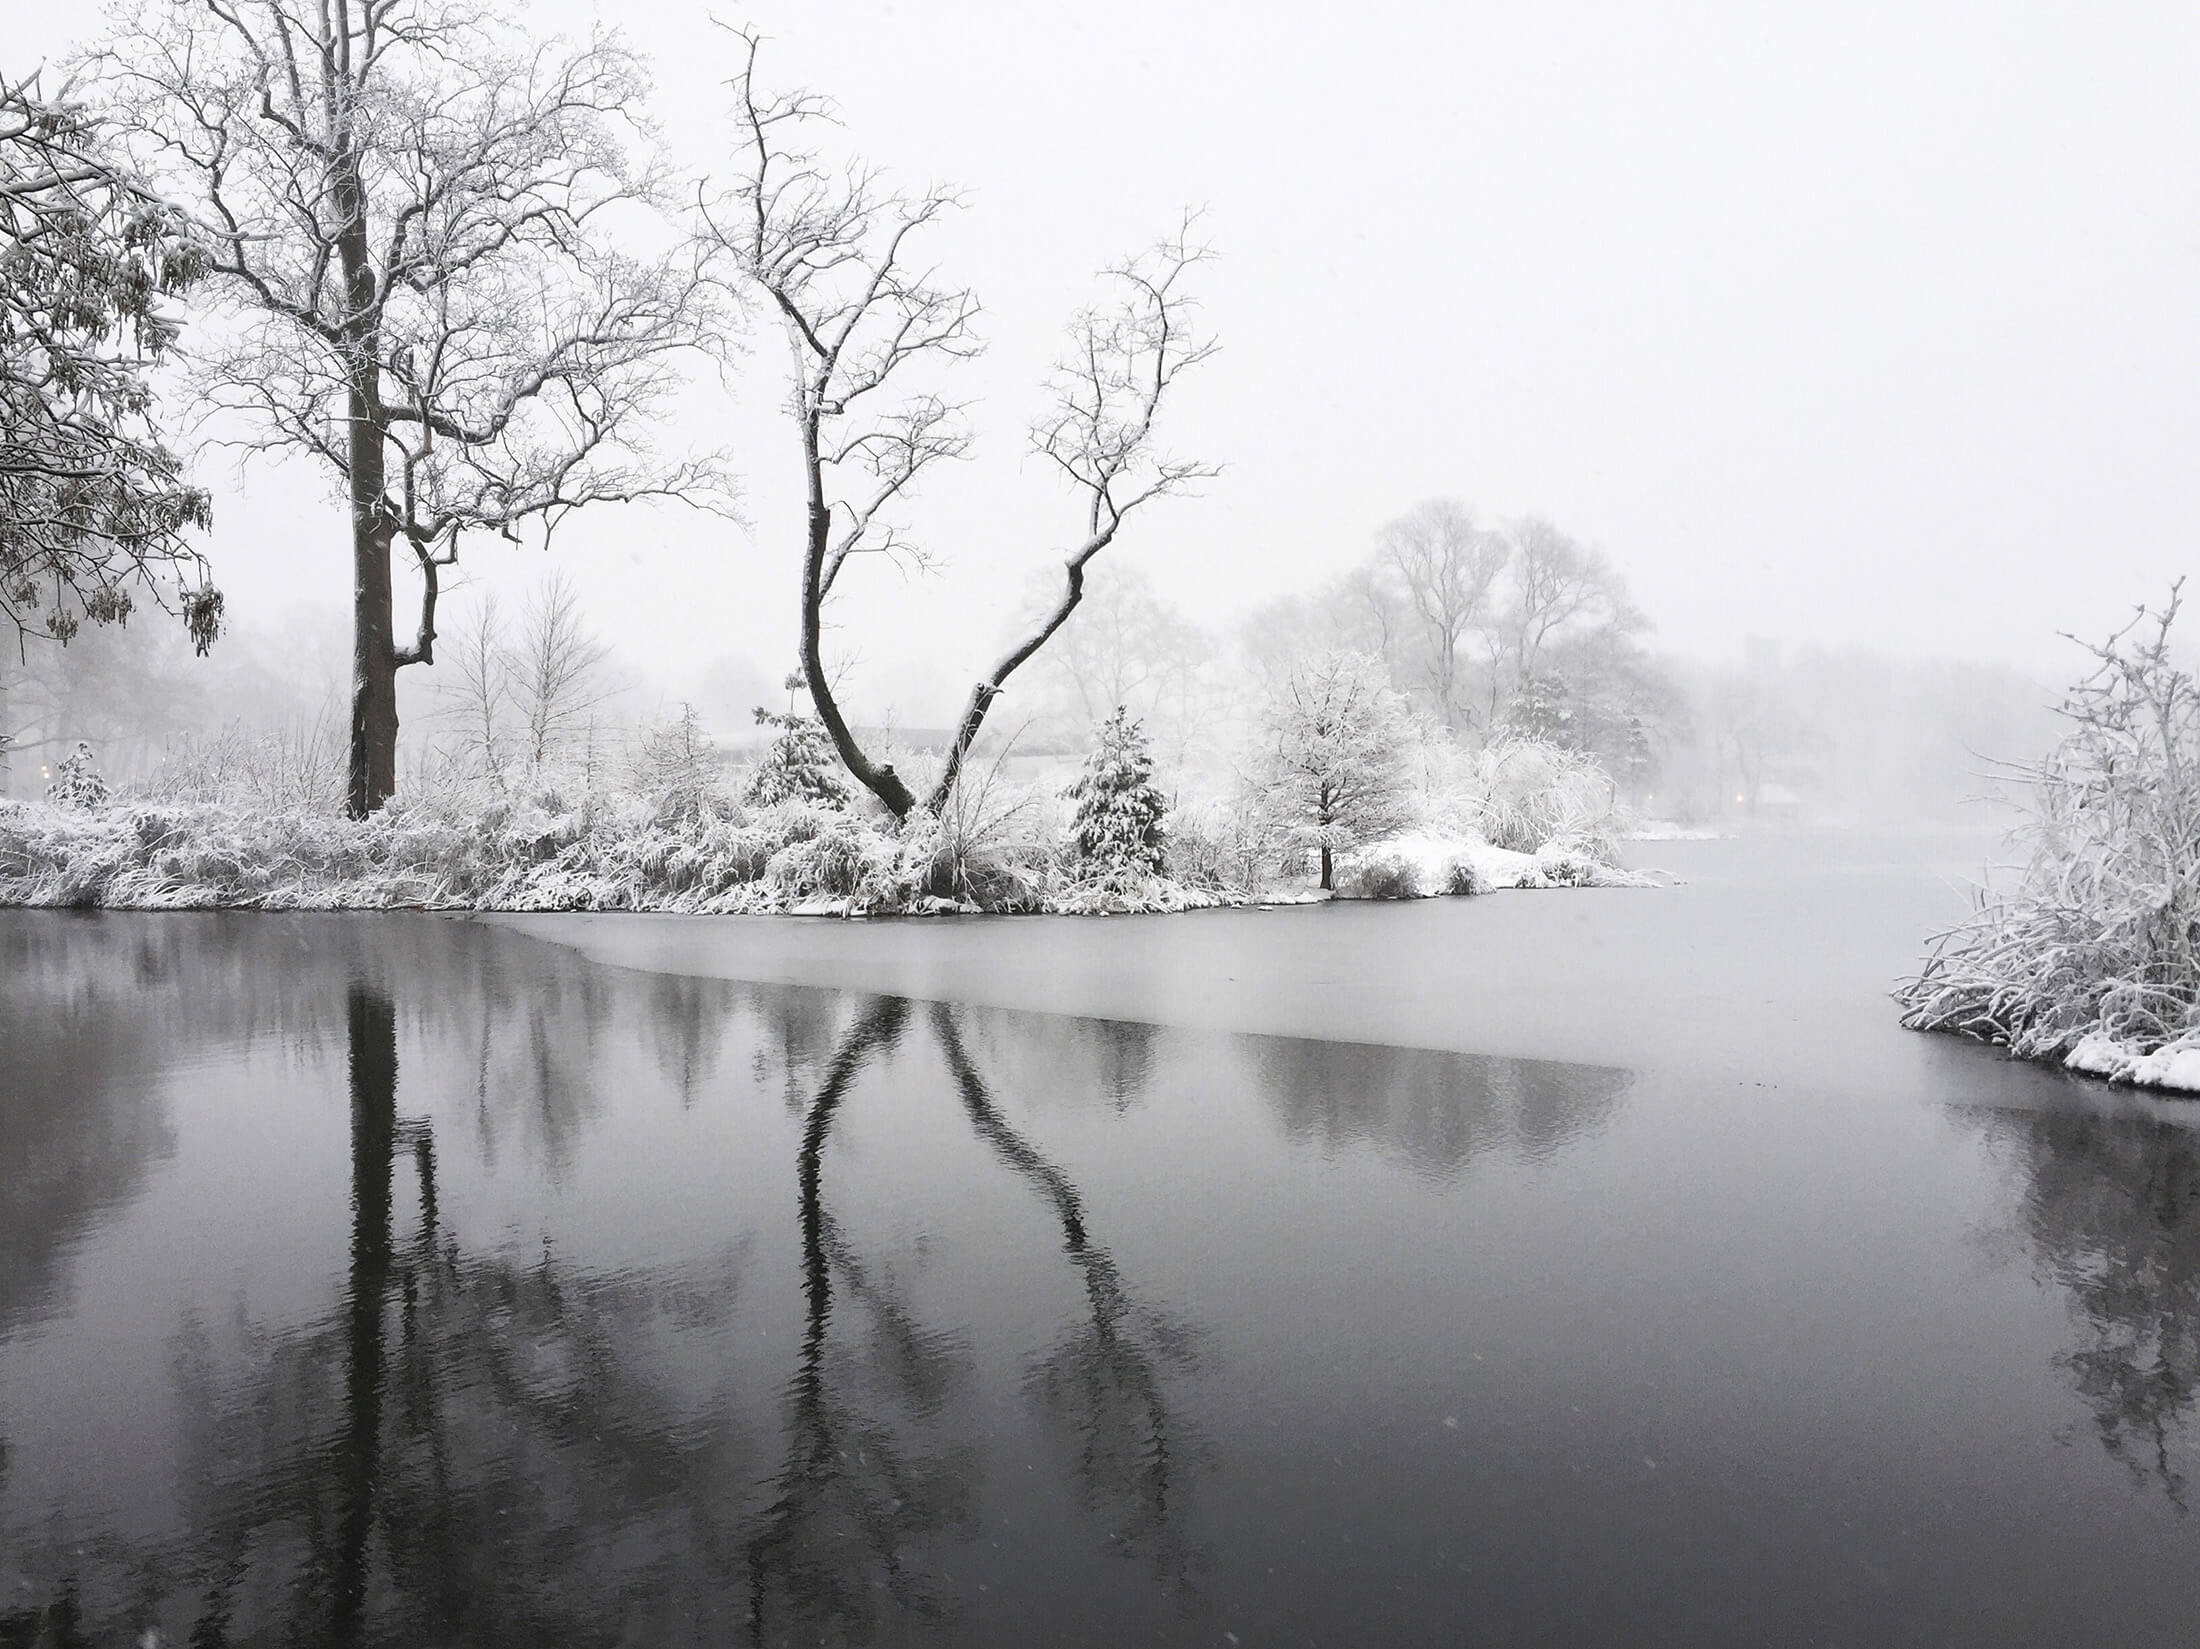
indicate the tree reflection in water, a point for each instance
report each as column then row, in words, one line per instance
column 2109, row 1209
column 505, row 1465
column 505, row 1447
column 1437, row 1110
column 830, row 1554
column 1104, row 1382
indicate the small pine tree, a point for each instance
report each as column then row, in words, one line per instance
column 678, row 764
column 1120, row 819
column 79, row 783
column 799, row 765
column 1543, row 709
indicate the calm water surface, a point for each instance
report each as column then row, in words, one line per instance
column 415, row 1281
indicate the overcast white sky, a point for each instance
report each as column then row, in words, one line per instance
column 1858, row 324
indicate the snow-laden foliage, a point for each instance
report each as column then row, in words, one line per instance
column 1332, row 767
column 2093, row 958
column 1526, row 794
column 253, row 820
column 1428, row 866
column 295, row 765
column 1120, row 821
column 677, row 767
column 799, row 764
column 78, row 784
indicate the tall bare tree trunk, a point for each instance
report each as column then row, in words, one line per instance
column 373, row 771
column 373, row 764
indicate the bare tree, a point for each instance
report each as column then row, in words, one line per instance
column 1446, row 565
column 477, row 692
column 417, row 211
column 556, row 671
column 93, row 505
column 1129, row 648
column 833, row 251
column 1557, row 584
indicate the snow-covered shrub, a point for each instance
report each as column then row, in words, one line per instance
column 78, row 784
column 677, row 768
column 1526, row 794
column 1379, row 872
column 1225, row 847
column 2093, row 957
column 799, row 764
column 1119, row 823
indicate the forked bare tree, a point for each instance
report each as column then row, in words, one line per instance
column 418, row 211
column 1446, row 564
column 93, row 505
column 832, row 248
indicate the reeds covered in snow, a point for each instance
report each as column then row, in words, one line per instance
column 2093, row 957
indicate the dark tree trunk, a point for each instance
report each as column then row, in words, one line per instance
column 372, row 775
column 879, row 779
column 1326, row 868
column 373, row 766
column 373, row 1028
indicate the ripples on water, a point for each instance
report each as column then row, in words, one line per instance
column 405, row 1281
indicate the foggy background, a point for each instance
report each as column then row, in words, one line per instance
column 1863, row 344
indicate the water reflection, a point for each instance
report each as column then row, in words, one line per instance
column 81, row 1123
column 866, row 1472
column 2108, row 1208
column 474, row 1447
column 1104, row 1384
column 488, row 1441
column 1437, row 1111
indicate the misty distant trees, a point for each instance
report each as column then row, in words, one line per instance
column 420, row 223
column 94, row 507
column 1492, row 626
column 834, row 251
column 516, row 698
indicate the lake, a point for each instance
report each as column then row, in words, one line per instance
column 1589, row 1267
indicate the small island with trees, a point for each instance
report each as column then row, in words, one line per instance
column 404, row 238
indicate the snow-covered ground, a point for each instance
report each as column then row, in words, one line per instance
column 792, row 857
column 1426, row 865
column 2175, row 1067
column 1668, row 830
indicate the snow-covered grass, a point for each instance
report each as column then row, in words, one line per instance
column 234, row 826
column 2093, row 959
column 1420, row 865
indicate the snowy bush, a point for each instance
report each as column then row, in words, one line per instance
column 1118, row 825
column 299, row 764
column 2093, row 958
column 677, row 768
column 799, row 764
column 78, row 784
column 1525, row 794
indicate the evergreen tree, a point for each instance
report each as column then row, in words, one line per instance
column 1120, row 816
column 799, row 765
column 1544, row 709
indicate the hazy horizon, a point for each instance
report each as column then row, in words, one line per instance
column 1848, row 332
